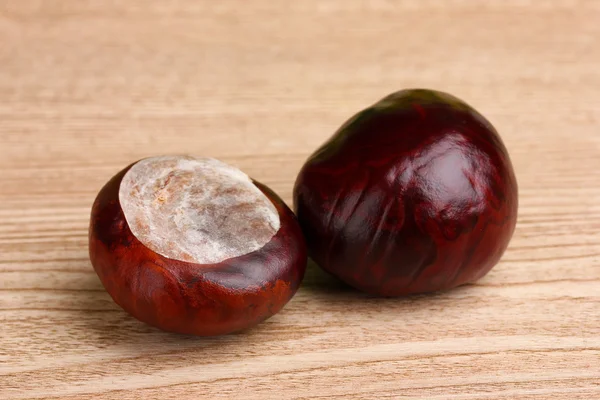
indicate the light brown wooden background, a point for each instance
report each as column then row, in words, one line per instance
column 88, row 86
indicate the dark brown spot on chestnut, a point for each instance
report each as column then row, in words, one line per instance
column 414, row 194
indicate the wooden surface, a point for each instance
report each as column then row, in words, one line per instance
column 88, row 86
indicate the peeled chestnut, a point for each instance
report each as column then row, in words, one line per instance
column 413, row 194
column 193, row 245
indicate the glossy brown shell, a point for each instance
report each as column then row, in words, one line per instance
column 199, row 299
column 414, row 194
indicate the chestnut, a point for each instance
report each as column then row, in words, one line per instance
column 194, row 246
column 413, row 194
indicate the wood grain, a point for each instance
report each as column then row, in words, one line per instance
column 87, row 87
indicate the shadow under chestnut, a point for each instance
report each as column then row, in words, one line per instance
column 320, row 283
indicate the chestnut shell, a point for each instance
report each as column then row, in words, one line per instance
column 413, row 194
column 199, row 299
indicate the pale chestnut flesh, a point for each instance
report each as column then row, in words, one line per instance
column 413, row 194
column 194, row 246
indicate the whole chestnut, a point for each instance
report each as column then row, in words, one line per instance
column 193, row 245
column 413, row 194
